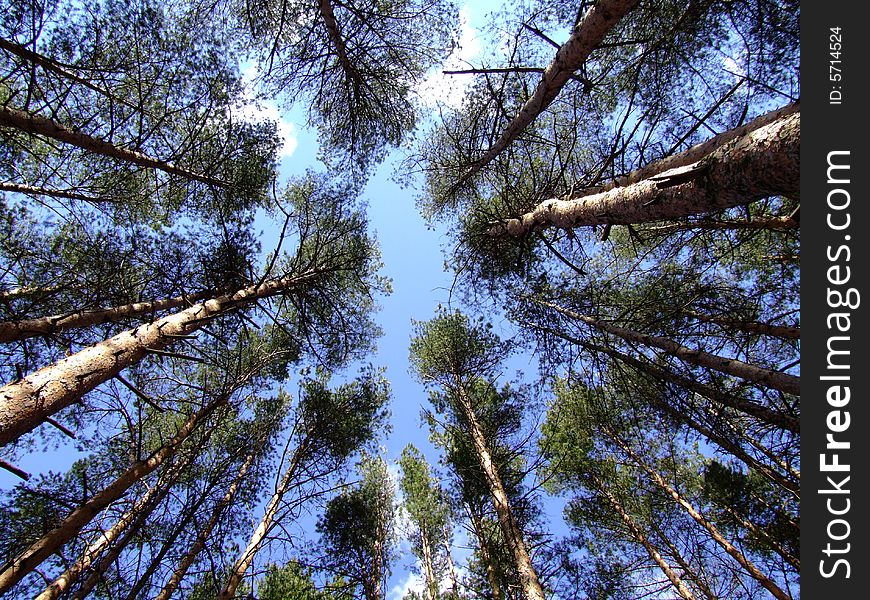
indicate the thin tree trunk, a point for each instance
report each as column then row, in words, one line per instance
column 26, row 403
column 779, row 331
column 331, row 24
column 763, row 163
column 51, row 542
column 26, row 291
column 688, row 572
column 265, row 525
column 765, row 581
column 431, row 583
column 759, row 533
column 204, row 533
column 777, row 380
column 11, row 331
column 51, row 65
column 451, row 568
column 638, row 534
column 585, row 37
column 485, row 555
column 38, row 125
column 532, row 589
column 20, row 188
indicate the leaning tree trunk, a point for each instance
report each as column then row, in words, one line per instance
column 39, row 125
column 204, row 533
column 779, row 331
column 30, row 190
column 52, row 542
column 765, row 581
column 639, row 536
column 585, row 37
column 243, row 563
column 784, row 382
column 528, row 576
column 485, row 554
column 13, row 331
column 760, row 164
column 26, row 403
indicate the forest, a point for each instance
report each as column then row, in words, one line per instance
column 616, row 189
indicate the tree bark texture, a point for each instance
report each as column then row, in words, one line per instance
column 762, row 163
column 26, row 403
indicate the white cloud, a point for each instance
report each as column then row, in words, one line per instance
column 411, row 582
column 253, row 110
column 450, row 89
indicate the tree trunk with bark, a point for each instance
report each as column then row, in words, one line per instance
column 431, row 583
column 39, row 125
column 585, row 37
column 784, row 382
column 12, row 331
column 765, row 581
column 26, row 403
column 243, row 563
column 51, row 542
column 528, row 576
column 760, row 164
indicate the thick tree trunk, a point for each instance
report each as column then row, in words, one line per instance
column 585, row 37
column 38, row 125
column 528, row 576
column 338, row 43
column 204, row 533
column 243, row 563
column 11, row 331
column 26, row 292
column 26, row 403
column 639, row 536
column 762, row 163
column 765, row 581
column 777, row 380
column 51, row 542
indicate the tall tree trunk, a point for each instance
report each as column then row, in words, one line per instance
column 451, row 568
column 26, row 403
column 30, row 190
column 528, row 576
column 431, row 583
column 11, row 331
column 765, row 581
column 140, row 510
column 585, row 37
column 338, row 43
column 639, row 536
column 760, row 412
column 485, row 554
column 51, row 542
column 777, row 380
column 762, row 163
column 779, row 331
column 265, row 525
column 204, row 533
column 39, row 125
column 688, row 572
column 753, row 224
column 26, row 292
